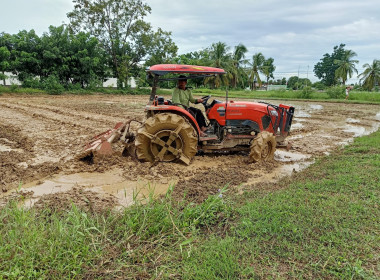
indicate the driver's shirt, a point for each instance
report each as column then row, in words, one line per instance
column 183, row 97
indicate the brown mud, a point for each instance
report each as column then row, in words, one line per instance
column 41, row 135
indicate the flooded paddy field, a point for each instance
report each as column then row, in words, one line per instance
column 40, row 137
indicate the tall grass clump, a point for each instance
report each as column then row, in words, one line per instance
column 305, row 92
column 336, row 92
column 52, row 85
column 76, row 243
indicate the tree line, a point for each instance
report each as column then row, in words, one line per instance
column 110, row 38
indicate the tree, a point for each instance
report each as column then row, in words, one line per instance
column 268, row 68
column 5, row 55
column 293, row 82
column 254, row 76
column 120, row 27
column 238, row 59
column 371, row 75
column 26, row 55
column 163, row 49
column 220, row 58
column 4, row 62
column 325, row 69
column 346, row 66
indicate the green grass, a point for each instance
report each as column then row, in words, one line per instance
column 355, row 96
column 323, row 224
column 75, row 243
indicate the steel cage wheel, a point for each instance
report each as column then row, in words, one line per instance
column 263, row 147
column 166, row 137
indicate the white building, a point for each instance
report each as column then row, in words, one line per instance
column 111, row 82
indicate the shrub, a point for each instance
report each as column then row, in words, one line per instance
column 75, row 87
column 31, row 83
column 13, row 88
column 319, row 86
column 52, row 85
column 95, row 83
column 305, row 93
column 138, row 91
column 336, row 92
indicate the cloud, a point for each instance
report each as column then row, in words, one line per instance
column 296, row 33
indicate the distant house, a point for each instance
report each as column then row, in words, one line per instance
column 276, row 87
column 112, row 82
column 11, row 80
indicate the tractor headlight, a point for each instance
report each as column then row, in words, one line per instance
column 274, row 113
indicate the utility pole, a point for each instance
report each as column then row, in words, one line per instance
column 298, row 76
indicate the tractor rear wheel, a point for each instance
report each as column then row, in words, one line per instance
column 166, row 137
column 263, row 147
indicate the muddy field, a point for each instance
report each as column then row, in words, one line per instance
column 40, row 137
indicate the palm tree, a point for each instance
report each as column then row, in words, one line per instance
column 237, row 61
column 371, row 75
column 257, row 62
column 268, row 68
column 221, row 59
column 346, row 66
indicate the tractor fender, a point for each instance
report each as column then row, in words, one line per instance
column 175, row 110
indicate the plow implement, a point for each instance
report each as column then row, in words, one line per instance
column 101, row 145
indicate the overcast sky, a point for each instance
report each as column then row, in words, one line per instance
column 296, row 33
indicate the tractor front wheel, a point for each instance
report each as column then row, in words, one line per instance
column 263, row 147
column 166, row 137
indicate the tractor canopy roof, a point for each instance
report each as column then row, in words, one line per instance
column 163, row 69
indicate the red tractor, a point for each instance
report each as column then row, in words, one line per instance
column 171, row 133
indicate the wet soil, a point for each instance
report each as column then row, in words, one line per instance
column 40, row 137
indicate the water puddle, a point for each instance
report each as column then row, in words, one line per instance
column 356, row 130
column 110, row 182
column 350, row 120
column 302, row 114
column 280, row 172
column 297, row 125
column 377, row 117
column 289, row 156
column 315, row 106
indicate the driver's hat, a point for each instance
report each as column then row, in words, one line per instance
column 182, row 78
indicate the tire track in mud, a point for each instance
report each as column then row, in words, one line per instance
column 57, row 135
column 54, row 139
column 59, row 116
column 105, row 116
column 92, row 123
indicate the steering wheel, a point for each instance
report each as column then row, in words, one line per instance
column 205, row 99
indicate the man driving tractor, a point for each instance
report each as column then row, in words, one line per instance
column 182, row 96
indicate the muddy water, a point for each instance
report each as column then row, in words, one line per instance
column 57, row 128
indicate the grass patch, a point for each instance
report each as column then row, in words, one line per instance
column 323, row 224
column 78, row 244
column 355, row 96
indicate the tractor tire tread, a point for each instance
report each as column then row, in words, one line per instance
column 165, row 121
column 263, row 140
